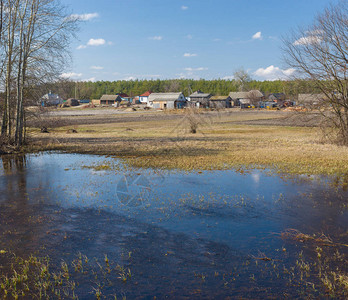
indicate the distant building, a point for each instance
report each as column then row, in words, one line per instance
column 143, row 98
column 109, row 100
column 199, row 99
column 125, row 97
column 166, row 100
column 310, row 99
column 220, row 102
column 51, row 100
column 245, row 99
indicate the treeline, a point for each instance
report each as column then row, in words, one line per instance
column 94, row 90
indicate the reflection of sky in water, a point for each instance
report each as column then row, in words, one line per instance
column 223, row 206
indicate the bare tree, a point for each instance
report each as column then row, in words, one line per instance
column 243, row 79
column 320, row 53
column 35, row 36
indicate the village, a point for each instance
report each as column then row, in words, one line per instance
column 198, row 99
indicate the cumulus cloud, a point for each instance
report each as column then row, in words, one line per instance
column 96, row 42
column 70, row 75
column 156, row 38
column 257, row 36
column 184, row 7
column 308, row 40
column 274, row 73
column 195, row 69
column 84, row 17
column 190, row 54
column 97, row 68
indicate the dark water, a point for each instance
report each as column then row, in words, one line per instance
column 182, row 235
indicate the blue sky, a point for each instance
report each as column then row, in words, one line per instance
column 150, row 39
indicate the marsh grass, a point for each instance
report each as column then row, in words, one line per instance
column 221, row 143
column 38, row 278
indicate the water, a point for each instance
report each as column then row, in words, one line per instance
column 194, row 234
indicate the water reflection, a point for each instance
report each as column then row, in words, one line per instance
column 173, row 222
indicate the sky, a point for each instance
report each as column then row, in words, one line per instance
column 169, row 39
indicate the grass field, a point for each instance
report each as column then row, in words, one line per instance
column 228, row 139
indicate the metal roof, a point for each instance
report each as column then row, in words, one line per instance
column 164, row 96
column 110, row 97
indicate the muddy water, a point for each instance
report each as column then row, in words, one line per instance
column 182, row 235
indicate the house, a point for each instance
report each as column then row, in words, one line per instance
column 277, row 97
column 166, row 100
column 199, row 99
column 143, row 98
column 248, row 98
column 310, row 99
column 220, row 102
column 110, row 100
column 51, row 100
column 125, row 97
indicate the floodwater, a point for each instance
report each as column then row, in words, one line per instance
column 210, row 234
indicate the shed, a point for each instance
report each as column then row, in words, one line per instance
column 220, row 102
column 253, row 96
column 110, row 100
column 200, row 99
column 166, row 100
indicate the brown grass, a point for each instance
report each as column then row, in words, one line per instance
column 221, row 142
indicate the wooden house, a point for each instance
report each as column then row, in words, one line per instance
column 166, row 100
column 110, row 100
column 199, row 99
column 220, row 102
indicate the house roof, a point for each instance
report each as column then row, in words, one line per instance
column 50, row 96
column 110, row 97
column 122, row 95
column 164, row 96
column 310, row 98
column 199, row 94
column 278, row 96
column 246, row 95
column 214, row 98
column 238, row 95
column 146, row 94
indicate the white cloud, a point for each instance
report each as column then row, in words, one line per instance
column 84, row 17
column 228, row 77
column 71, row 75
column 190, row 54
column 274, row 73
column 97, row 68
column 195, row 69
column 156, row 38
column 257, row 36
column 184, row 7
column 308, row 40
column 92, row 79
column 96, row 42
column 81, row 47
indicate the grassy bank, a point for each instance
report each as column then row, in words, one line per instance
column 223, row 141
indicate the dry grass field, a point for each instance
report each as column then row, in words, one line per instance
column 277, row 140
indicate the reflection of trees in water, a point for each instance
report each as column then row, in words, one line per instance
column 15, row 209
column 15, row 175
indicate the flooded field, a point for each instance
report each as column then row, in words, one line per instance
column 113, row 231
